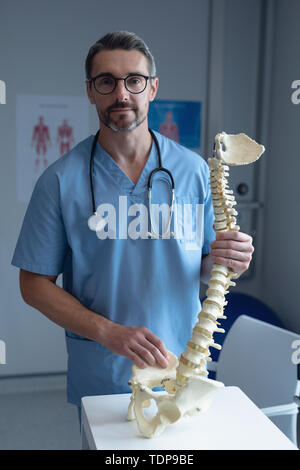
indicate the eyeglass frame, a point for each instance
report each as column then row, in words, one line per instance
column 116, row 79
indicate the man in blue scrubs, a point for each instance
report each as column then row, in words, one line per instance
column 127, row 297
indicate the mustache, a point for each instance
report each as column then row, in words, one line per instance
column 120, row 106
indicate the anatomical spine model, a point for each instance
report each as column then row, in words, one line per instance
column 188, row 389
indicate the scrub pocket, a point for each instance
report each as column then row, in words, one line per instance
column 186, row 222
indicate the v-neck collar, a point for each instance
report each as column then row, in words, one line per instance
column 125, row 184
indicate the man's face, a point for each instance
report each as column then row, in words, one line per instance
column 122, row 110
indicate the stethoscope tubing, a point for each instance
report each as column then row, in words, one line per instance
column 149, row 185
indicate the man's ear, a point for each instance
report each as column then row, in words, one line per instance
column 89, row 91
column 154, row 88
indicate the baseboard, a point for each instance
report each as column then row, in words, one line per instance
column 32, row 383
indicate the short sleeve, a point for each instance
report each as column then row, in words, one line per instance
column 209, row 233
column 42, row 244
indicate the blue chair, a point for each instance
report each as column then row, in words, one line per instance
column 241, row 304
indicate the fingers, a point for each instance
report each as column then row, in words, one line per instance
column 145, row 349
column 232, row 242
column 243, row 256
column 159, row 358
column 233, row 245
column 138, row 344
column 237, row 266
column 142, row 357
column 234, row 235
column 232, row 249
column 133, row 357
column 152, row 338
column 148, row 358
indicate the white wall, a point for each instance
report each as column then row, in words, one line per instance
column 281, row 274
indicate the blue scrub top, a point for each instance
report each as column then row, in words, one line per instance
column 131, row 280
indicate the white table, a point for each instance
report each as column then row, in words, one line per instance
column 232, row 422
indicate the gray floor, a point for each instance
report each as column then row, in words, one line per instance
column 34, row 415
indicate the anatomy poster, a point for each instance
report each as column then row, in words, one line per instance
column 178, row 120
column 47, row 128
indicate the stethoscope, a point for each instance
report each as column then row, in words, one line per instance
column 152, row 233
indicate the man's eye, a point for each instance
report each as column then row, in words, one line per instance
column 134, row 80
column 106, row 81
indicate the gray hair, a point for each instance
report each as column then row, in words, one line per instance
column 119, row 40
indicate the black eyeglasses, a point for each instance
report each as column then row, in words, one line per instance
column 106, row 83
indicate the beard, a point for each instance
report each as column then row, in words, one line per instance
column 122, row 123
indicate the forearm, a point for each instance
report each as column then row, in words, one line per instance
column 138, row 344
column 65, row 310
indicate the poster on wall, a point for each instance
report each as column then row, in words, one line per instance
column 47, row 128
column 178, row 120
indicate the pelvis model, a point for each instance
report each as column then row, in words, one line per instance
column 189, row 391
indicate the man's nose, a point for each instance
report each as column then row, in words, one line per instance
column 121, row 91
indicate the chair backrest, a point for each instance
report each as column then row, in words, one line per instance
column 238, row 304
column 257, row 357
